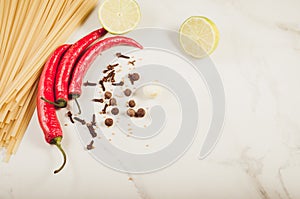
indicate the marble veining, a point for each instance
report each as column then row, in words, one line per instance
column 258, row 58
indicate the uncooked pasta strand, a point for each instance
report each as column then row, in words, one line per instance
column 29, row 32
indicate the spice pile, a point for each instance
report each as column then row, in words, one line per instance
column 62, row 78
column 109, row 102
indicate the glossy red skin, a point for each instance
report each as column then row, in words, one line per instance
column 68, row 61
column 89, row 57
column 46, row 111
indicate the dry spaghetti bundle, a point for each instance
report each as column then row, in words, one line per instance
column 29, row 31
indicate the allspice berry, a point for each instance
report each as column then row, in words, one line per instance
column 127, row 92
column 131, row 103
column 113, row 102
column 114, row 111
column 135, row 76
column 109, row 122
column 131, row 112
column 107, row 95
column 140, row 112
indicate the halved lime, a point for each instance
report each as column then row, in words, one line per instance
column 199, row 36
column 119, row 16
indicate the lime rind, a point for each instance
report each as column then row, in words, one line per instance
column 199, row 41
column 118, row 19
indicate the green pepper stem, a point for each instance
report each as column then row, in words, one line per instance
column 57, row 142
column 60, row 104
column 79, row 109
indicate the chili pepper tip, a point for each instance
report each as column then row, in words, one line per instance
column 57, row 142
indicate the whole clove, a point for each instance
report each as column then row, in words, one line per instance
column 82, row 121
column 109, row 76
column 94, row 120
column 69, row 114
column 104, row 109
column 98, row 100
column 90, row 145
column 110, row 67
column 121, row 83
column 119, row 55
column 87, row 83
column 102, row 85
column 131, row 62
column 91, row 130
column 133, row 77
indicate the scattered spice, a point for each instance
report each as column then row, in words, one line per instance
column 80, row 120
column 98, row 100
column 140, row 112
column 108, row 122
column 107, row 95
column 104, row 109
column 90, row 145
column 127, row 92
column 110, row 67
column 109, row 77
column 113, row 102
column 69, row 114
column 94, row 120
column 131, row 103
column 102, row 85
column 131, row 62
column 91, row 129
column 121, row 83
column 119, row 55
column 133, row 77
column 131, row 112
column 105, row 71
column 115, row 111
column 87, row 83
column 113, row 77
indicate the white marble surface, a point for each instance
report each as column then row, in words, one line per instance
column 258, row 155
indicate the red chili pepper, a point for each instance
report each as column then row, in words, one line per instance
column 89, row 56
column 67, row 63
column 46, row 111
